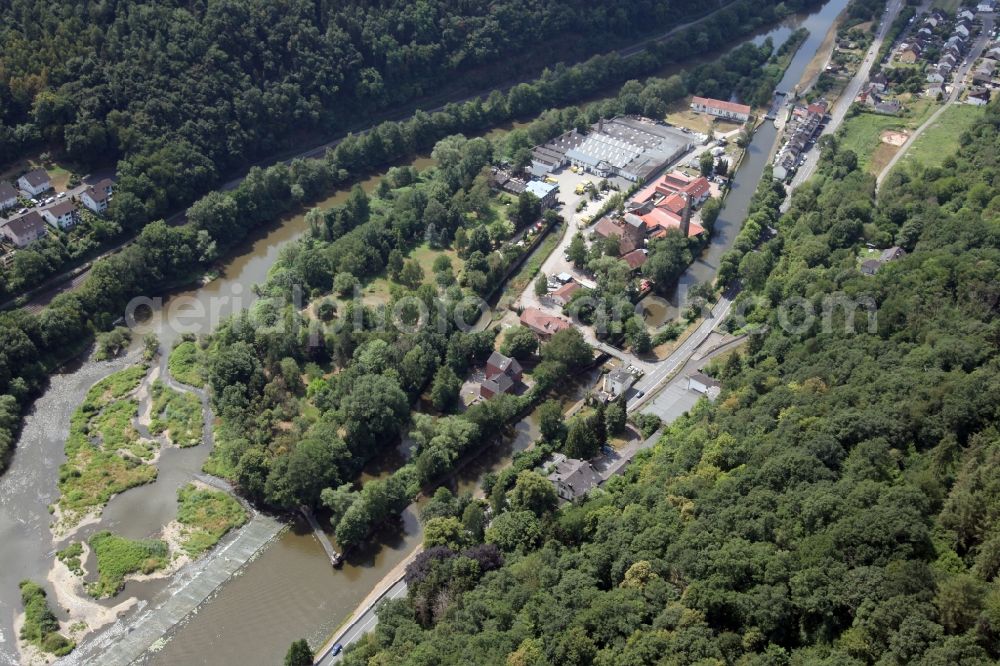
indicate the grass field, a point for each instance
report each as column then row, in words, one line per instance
column 950, row 6
column 379, row 290
column 117, row 557
column 941, row 139
column 862, row 133
column 206, row 516
column 185, row 364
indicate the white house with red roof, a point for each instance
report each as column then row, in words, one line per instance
column 721, row 109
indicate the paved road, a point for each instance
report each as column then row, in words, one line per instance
column 956, row 90
column 839, row 110
column 365, row 622
column 669, row 366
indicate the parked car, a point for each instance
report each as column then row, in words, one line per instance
column 337, row 649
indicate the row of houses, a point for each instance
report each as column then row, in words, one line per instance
column 27, row 228
column 806, row 123
column 929, row 36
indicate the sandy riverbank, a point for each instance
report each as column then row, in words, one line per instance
column 822, row 56
column 84, row 614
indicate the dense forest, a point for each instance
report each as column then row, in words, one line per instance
column 222, row 82
column 836, row 505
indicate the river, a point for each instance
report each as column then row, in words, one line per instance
column 289, row 590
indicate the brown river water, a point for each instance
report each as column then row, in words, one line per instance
column 289, row 590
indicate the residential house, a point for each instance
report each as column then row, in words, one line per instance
column 564, row 294
column 981, row 78
column 935, row 91
column 984, row 72
column 502, row 373
column 97, row 196
column 934, row 76
column 994, row 53
column 870, row 266
column 24, row 230
column 889, row 107
column 949, row 59
column 891, row 254
column 8, row 196
column 62, row 215
column 543, row 324
column 962, row 30
column 618, row 382
column 635, row 259
column 721, row 109
column 574, row 478
column 925, row 33
column 986, row 6
column 34, row 182
column 965, row 14
column 978, row 97
column 879, row 82
column 704, row 384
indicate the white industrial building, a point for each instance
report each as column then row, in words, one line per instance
column 628, row 147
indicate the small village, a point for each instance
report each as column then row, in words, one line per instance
column 32, row 207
